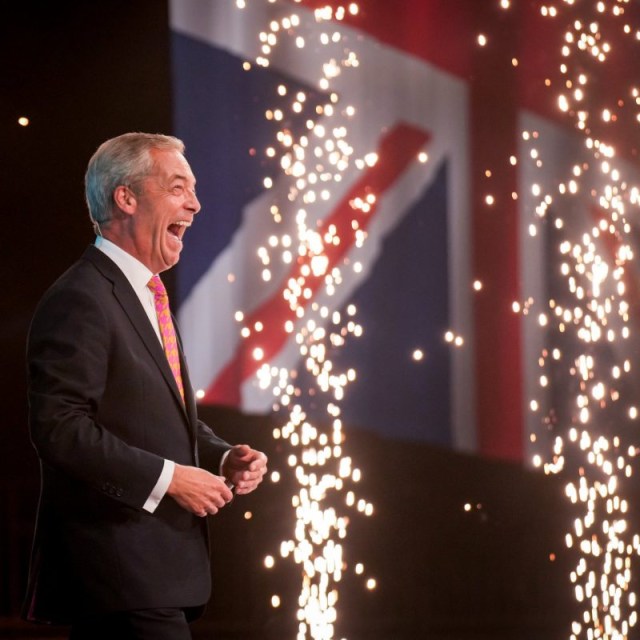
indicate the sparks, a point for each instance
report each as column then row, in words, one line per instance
column 308, row 244
column 587, row 322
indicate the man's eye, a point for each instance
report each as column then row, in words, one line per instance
column 177, row 189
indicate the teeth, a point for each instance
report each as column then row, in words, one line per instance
column 182, row 223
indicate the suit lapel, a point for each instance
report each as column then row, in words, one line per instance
column 189, row 398
column 128, row 300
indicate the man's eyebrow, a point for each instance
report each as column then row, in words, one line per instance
column 179, row 176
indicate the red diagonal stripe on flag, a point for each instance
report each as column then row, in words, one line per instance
column 398, row 148
column 613, row 243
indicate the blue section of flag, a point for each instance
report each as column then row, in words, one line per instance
column 403, row 306
column 219, row 112
column 216, row 116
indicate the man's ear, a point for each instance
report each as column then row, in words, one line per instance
column 125, row 199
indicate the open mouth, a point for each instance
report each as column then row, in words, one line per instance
column 177, row 229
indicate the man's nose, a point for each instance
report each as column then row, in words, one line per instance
column 193, row 204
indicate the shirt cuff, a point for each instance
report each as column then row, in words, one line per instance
column 158, row 492
column 224, row 457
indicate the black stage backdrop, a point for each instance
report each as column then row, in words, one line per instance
column 81, row 72
column 85, row 71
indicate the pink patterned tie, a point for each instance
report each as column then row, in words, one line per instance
column 167, row 331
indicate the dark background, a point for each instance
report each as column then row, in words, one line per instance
column 81, row 72
column 85, row 71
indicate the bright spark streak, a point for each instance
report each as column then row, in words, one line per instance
column 591, row 319
column 310, row 165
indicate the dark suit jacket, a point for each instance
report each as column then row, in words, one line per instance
column 104, row 413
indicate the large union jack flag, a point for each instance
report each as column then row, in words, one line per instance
column 422, row 87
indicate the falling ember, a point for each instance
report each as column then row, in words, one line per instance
column 586, row 384
column 310, row 246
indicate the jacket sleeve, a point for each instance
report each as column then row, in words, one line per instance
column 68, row 367
column 211, row 448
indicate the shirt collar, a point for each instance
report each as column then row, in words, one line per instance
column 136, row 273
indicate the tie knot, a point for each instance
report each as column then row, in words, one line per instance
column 157, row 286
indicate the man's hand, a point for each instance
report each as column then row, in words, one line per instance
column 244, row 468
column 198, row 491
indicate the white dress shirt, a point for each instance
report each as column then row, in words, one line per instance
column 138, row 276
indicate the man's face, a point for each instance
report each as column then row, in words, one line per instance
column 166, row 204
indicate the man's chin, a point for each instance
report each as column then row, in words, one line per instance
column 171, row 258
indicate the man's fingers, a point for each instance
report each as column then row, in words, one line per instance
column 219, row 501
column 199, row 491
column 247, row 486
column 241, row 451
